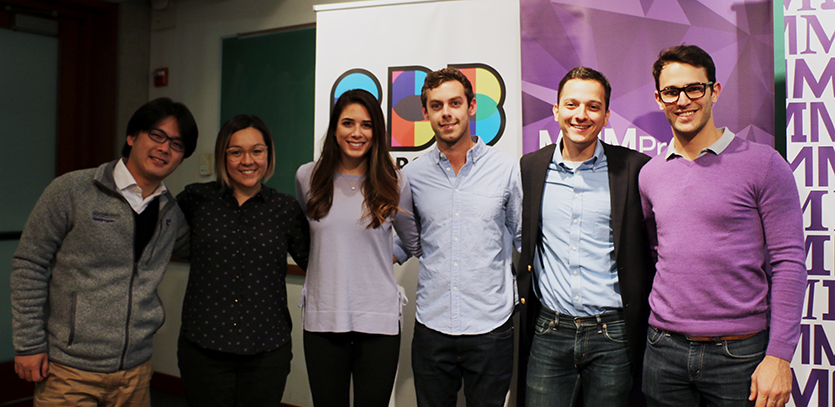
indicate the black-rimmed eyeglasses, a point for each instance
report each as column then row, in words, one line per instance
column 694, row 91
column 176, row 143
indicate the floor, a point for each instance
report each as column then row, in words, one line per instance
column 159, row 399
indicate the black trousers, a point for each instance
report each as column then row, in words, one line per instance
column 333, row 359
column 483, row 363
column 221, row 379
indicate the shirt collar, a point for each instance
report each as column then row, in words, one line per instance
column 599, row 156
column 716, row 148
column 473, row 154
column 124, row 179
column 229, row 195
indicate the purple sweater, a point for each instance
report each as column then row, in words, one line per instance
column 714, row 225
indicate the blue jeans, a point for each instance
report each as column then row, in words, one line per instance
column 682, row 373
column 484, row 362
column 567, row 352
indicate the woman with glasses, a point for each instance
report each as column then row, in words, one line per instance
column 353, row 195
column 234, row 346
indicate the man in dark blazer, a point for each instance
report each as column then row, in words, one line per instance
column 584, row 269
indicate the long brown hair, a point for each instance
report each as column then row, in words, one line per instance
column 381, row 194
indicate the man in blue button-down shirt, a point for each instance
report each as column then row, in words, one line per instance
column 585, row 249
column 467, row 199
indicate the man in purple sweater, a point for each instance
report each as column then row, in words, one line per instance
column 725, row 225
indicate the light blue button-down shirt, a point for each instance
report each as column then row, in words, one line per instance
column 580, row 276
column 470, row 224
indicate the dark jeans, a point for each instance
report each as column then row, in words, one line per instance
column 440, row 361
column 683, row 373
column 567, row 352
column 334, row 358
column 213, row 379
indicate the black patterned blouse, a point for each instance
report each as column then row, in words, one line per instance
column 236, row 298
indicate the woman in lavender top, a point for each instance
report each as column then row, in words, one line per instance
column 234, row 347
column 353, row 195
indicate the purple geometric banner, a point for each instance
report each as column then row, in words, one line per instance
column 622, row 39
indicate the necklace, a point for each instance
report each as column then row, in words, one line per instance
column 353, row 186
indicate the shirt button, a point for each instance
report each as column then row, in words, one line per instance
column 456, row 190
column 577, row 298
column 576, row 194
column 456, row 239
column 575, row 221
column 574, row 248
column 236, row 300
column 456, row 213
column 447, row 168
column 575, row 272
column 454, row 288
column 455, row 264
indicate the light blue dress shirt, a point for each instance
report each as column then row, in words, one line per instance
column 469, row 225
column 578, row 275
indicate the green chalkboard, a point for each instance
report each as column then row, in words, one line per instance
column 271, row 75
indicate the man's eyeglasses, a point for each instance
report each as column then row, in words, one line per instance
column 693, row 91
column 236, row 154
column 176, row 143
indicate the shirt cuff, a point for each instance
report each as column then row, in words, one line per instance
column 400, row 254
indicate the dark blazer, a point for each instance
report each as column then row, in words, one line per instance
column 635, row 271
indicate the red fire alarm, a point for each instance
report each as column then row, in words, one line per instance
column 160, row 77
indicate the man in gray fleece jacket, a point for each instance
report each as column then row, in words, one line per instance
column 85, row 275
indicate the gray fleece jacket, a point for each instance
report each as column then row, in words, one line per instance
column 76, row 291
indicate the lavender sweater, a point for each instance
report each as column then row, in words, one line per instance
column 350, row 284
column 715, row 223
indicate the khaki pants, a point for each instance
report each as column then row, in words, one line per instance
column 66, row 386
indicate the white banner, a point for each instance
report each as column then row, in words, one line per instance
column 388, row 47
column 810, row 150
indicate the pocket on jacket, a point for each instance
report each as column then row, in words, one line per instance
column 102, row 217
column 71, row 336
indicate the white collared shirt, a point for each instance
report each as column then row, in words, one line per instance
column 130, row 189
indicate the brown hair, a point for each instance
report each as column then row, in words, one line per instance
column 437, row 78
column 684, row 54
column 380, row 191
column 232, row 126
column 587, row 74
